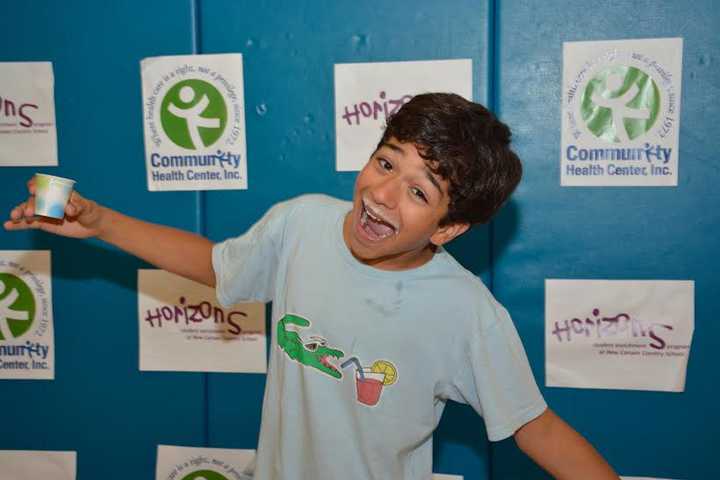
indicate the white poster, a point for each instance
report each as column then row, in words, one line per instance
column 177, row 463
column 619, row 334
column 442, row 476
column 194, row 117
column 27, row 344
column 621, row 112
column 366, row 94
column 33, row 465
column 28, row 136
column 182, row 328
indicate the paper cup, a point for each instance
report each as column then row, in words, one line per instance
column 51, row 195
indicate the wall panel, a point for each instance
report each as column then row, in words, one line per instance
column 99, row 404
column 611, row 233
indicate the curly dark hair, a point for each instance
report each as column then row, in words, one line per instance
column 465, row 144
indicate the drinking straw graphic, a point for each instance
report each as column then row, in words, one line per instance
column 356, row 362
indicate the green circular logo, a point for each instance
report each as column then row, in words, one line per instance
column 204, row 475
column 193, row 114
column 620, row 103
column 17, row 307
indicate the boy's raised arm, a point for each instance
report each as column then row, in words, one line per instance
column 177, row 251
column 561, row 451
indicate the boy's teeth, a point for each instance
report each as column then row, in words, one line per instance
column 378, row 227
column 378, row 219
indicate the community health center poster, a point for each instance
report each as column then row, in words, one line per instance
column 198, row 463
column 621, row 112
column 27, row 342
column 194, row 121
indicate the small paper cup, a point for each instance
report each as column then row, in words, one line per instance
column 51, row 195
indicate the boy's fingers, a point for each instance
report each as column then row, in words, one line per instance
column 76, row 205
column 30, row 207
column 76, row 199
column 14, row 212
column 31, row 186
column 17, row 212
column 10, row 225
column 72, row 209
column 29, row 223
column 21, row 223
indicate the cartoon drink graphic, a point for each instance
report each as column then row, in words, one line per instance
column 369, row 386
column 369, row 382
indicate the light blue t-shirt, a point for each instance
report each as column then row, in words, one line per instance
column 363, row 360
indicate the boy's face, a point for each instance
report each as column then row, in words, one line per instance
column 398, row 204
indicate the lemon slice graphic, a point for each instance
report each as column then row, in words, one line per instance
column 383, row 366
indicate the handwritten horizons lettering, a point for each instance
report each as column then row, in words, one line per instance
column 380, row 108
column 195, row 314
column 603, row 327
column 8, row 110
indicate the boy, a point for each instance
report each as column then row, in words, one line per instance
column 375, row 326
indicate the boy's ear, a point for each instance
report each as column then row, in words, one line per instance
column 446, row 233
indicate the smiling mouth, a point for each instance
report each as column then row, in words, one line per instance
column 375, row 226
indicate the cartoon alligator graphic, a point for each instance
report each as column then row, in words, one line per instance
column 312, row 353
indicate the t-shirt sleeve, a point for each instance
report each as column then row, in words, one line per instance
column 246, row 266
column 494, row 377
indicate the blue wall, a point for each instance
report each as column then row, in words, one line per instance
column 114, row 416
column 613, row 233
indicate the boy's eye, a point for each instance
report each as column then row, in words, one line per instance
column 384, row 164
column 419, row 194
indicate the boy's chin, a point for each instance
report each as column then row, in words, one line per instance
column 365, row 252
column 371, row 253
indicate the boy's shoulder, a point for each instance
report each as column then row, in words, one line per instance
column 467, row 280
column 318, row 200
column 312, row 203
column 468, row 291
column 305, row 213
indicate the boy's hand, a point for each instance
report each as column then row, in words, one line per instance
column 82, row 217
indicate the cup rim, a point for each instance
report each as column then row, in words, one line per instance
column 367, row 373
column 55, row 177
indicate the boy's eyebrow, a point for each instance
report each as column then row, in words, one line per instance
column 434, row 182
column 394, row 148
column 428, row 174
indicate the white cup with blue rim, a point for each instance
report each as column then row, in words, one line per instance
column 51, row 195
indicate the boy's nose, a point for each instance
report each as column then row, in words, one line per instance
column 386, row 193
